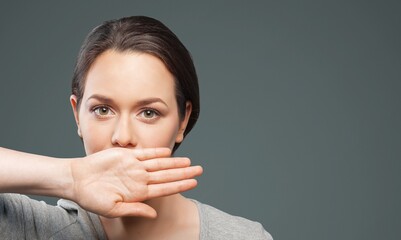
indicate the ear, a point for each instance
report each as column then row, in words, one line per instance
column 74, row 103
column 184, row 122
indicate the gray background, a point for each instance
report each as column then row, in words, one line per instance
column 300, row 119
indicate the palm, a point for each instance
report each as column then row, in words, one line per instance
column 115, row 182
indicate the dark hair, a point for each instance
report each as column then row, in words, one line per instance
column 147, row 35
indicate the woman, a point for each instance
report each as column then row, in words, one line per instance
column 135, row 97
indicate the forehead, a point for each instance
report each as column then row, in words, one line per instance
column 129, row 75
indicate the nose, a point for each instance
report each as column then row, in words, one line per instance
column 123, row 135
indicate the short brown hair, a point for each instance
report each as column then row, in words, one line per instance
column 147, row 35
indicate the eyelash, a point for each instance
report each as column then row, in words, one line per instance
column 154, row 111
column 95, row 108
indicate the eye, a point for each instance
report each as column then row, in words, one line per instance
column 149, row 115
column 102, row 111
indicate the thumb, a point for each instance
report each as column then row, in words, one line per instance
column 136, row 209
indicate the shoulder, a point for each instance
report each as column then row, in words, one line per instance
column 216, row 224
column 21, row 216
column 87, row 225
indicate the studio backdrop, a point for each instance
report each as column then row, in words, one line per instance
column 300, row 103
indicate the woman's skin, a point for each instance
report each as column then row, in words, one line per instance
column 129, row 102
column 128, row 130
column 110, row 183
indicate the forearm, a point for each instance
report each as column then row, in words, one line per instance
column 113, row 182
column 34, row 174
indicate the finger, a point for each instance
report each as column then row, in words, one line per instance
column 166, row 163
column 172, row 175
column 166, row 189
column 136, row 209
column 150, row 153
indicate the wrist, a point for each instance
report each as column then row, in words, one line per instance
column 67, row 185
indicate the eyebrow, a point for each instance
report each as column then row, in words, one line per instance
column 142, row 102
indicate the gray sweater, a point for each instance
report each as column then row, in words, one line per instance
column 25, row 218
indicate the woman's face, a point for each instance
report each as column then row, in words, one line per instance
column 129, row 101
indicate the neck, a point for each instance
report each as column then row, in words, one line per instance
column 172, row 212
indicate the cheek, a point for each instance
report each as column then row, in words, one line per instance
column 96, row 137
column 161, row 135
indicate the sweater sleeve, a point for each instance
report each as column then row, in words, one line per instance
column 25, row 218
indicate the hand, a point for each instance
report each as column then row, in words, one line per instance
column 115, row 182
